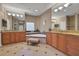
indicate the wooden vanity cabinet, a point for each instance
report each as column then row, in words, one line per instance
column 13, row 37
column 66, row 43
column 73, row 45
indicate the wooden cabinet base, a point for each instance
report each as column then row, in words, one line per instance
column 13, row 37
column 54, row 40
column 6, row 38
column 62, row 42
column 67, row 43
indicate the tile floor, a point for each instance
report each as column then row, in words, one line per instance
column 22, row 49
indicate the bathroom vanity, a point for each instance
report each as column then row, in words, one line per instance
column 66, row 42
column 10, row 37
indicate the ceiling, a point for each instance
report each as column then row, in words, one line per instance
column 28, row 8
column 71, row 10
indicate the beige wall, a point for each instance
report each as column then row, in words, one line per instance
column 3, row 15
column 35, row 19
column 38, row 20
column 61, row 21
column 45, row 17
column 0, row 17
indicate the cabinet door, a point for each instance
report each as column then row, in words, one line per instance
column 73, row 45
column 54, row 39
column 18, row 37
column 22, row 36
column 62, row 42
column 13, row 37
column 6, row 38
column 49, row 38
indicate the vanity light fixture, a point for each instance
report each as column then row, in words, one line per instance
column 17, row 15
column 21, row 16
column 36, row 10
column 13, row 14
column 60, row 8
column 55, row 10
column 9, row 14
column 66, row 5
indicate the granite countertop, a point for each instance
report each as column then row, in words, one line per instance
column 67, row 32
column 13, row 31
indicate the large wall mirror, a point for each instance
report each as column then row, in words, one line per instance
column 66, row 15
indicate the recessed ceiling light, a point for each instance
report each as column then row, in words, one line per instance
column 36, row 10
column 13, row 14
column 60, row 8
column 66, row 5
column 55, row 10
column 17, row 15
column 9, row 14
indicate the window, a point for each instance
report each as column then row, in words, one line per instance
column 29, row 26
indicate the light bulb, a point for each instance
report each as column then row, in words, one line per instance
column 55, row 10
column 60, row 8
column 9, row 14
column 17, row 15
column 13, row 14
column 21, row 16
column 66, row 5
